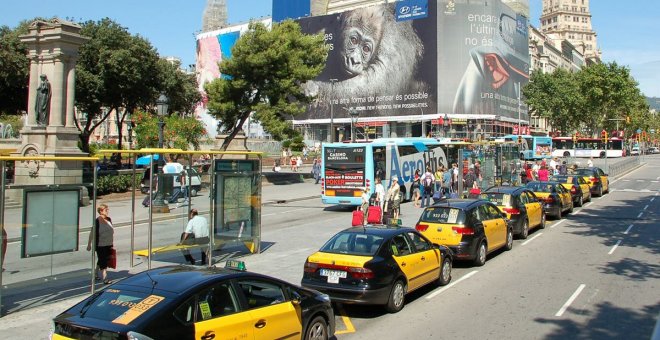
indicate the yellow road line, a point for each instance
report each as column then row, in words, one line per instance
column 346, row 320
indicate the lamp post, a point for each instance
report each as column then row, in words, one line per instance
column 423, row 125
column 354, row 118
column 518, row 90
column 332, row 111
column 129, row 130
column 159, row 204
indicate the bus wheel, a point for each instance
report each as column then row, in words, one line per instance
column 567, row 154
column 602, row 154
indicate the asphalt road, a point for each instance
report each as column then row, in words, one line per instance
column 592, row 275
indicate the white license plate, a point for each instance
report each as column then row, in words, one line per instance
column 333, row 275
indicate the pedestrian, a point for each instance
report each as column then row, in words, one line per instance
column 284, row 159
column 299, row 163
column 469, row 179
column 454, row 178
column 543, row 174
column 305, row 152
column 393, row 198
column 380, row 194
column 316, row 170
column 416, row 187
column 103, row 239
column 590, row 162
column 197, row 233
column 446, row 181
column 365, row 204
column 563, row 169
column 572, row 170
column 428, row 181
column 437, row 176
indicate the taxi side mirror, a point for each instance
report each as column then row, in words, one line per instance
column 296, row 298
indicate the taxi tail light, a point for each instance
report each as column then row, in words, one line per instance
column 463, row 230
column 361, row 273
column 421, row 227
column 573, row 190
column 595, row 180
column 311, row 267
column 549, row 199
column 512, row 211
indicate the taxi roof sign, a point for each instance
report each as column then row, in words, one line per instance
column 235, row 265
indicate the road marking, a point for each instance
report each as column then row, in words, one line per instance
column 347, row 321
column 287, row 211
column 655, row 181
column 439, row 291
column 640, row 215
column 646, row 207
column 640, row 180
column 570, row 300
column 586, row 205
column 531, row 239
column 628, row 230
column 614, row 248
column 625, row 180
column 652, row 199
column 556, row 224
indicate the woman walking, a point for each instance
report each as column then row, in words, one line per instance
column 104, row 235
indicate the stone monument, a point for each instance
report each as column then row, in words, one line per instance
column 50, row 130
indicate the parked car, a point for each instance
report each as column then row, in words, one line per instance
column 654, row 150
column 555, row 197
column 520, row 205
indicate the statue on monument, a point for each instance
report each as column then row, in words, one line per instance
column 42, row 107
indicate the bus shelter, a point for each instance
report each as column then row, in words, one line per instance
column 48, row 227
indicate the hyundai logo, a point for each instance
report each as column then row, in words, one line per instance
column 404, row 9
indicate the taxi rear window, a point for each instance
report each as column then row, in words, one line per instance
column 541, row 187
column 497, row 197
column 442, row 215
column 353, row 244
column 120, row 306
column 585, row 172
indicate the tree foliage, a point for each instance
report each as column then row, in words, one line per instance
column 14, row 69
column 594, row 98
column 179, row 132
column 264, row 76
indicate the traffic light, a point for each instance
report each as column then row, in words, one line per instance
column 575, row 137
column 627, row 119
column 604, row 136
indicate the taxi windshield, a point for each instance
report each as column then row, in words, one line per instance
column 113, row 305
column 498, row 198
column 353, row 244
column 561, row 179
column 442, row 215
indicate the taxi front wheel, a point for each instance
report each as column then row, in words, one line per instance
column 445, row 272
column 317, row 329
column 397, row 297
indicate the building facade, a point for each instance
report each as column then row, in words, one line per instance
column 571, row 20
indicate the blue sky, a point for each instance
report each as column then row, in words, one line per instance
column 626, row 29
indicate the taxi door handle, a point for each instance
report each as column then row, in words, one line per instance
column 403, row 264
column 423, row 258
column 208, row 336
column 260, row 324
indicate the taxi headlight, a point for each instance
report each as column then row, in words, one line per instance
column 324, row 297
column 137, row 336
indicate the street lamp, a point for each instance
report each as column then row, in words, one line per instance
column 129, row 130
column 332, row 111
column 518, row 90
column 159, row 204
column 354, row 118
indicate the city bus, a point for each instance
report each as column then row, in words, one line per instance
column 346, row 168
column 587, row 147
column 533, row 147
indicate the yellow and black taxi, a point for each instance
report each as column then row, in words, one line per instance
column 520, row 205
column 598, row 180
column 376, row 265
column 184, row 302
column 578, row 187
column 471, row 228
column 555, row 197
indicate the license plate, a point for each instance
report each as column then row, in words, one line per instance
column 333, row 275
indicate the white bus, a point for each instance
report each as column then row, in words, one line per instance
column 587, row 147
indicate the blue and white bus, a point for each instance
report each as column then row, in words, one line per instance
column 348, row 167
column 532, row 147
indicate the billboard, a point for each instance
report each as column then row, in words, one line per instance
column 376, row 65
column 483, row 57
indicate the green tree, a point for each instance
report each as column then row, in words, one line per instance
column 181, row 88
column 116, row 72
column 610, row 94
column 264, row 76
column 179, row 132
column 555, row 96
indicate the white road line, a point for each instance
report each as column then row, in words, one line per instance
column 614, row 248
column 652, row 199
column 570, row 300
column 646, row 207
column 625, row 180
column 556, row 224
column 586, row 205
column 640, row 180
column 628, row 230
column 439, row 291
column 655, row 181
column 531, row 239
column 640, row 215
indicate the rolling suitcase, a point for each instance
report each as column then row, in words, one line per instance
column 373, row 214
column 358, row 218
